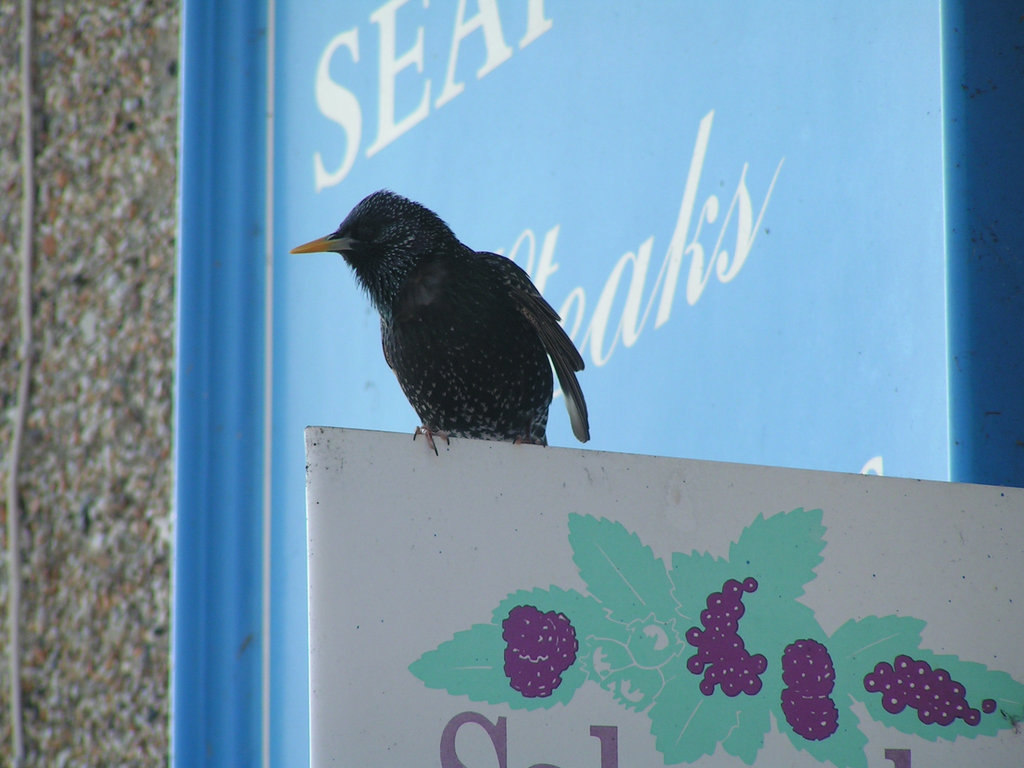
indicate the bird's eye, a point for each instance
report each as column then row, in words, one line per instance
column 362, row 233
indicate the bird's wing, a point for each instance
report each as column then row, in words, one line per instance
column 556, row 341
column 384, row 335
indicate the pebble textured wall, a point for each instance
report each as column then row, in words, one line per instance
column 95, row 471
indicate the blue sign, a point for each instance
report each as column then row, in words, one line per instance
column 740, row 225
column 737, row 209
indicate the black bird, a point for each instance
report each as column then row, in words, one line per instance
column 466, row 332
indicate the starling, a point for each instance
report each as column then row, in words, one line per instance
column 466, row 332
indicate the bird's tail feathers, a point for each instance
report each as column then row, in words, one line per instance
column 575, row 404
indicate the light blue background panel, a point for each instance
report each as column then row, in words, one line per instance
column 737, row 208
column 783, row 163
column 827, row 345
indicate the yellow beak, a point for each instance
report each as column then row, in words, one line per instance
column 322, row 245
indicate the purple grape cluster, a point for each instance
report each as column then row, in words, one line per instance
column 539, row 647
column 721, row 655
column 933, row 693
column 810, row 677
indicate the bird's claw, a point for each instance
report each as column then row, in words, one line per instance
column 429, row 434
column 524, row 440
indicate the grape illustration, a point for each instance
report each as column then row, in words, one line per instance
column 539, row 647
column 809, row 676
column 935, row 696
column 721, row 654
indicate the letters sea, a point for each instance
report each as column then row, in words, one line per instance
column 603, row 332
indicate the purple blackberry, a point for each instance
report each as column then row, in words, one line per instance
column 539, row 647
column 933, row 694
column 721, row 655
column 809, row 676
column 807, row 668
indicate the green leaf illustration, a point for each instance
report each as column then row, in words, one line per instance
column 681, row 732
column 470, row 664
column 694, row 576
column 688, row 725
column 858, row 645
column 619, row 570
column 782, row 551
column 744, row 741
column 862, row 644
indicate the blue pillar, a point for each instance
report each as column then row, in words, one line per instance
column 216, row 647
column 983, row 73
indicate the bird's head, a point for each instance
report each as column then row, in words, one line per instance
column 384, row 238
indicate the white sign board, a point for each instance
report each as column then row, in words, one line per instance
column 516, row 606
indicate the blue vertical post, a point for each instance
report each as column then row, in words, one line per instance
column 216, row 646
column 983, row 73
